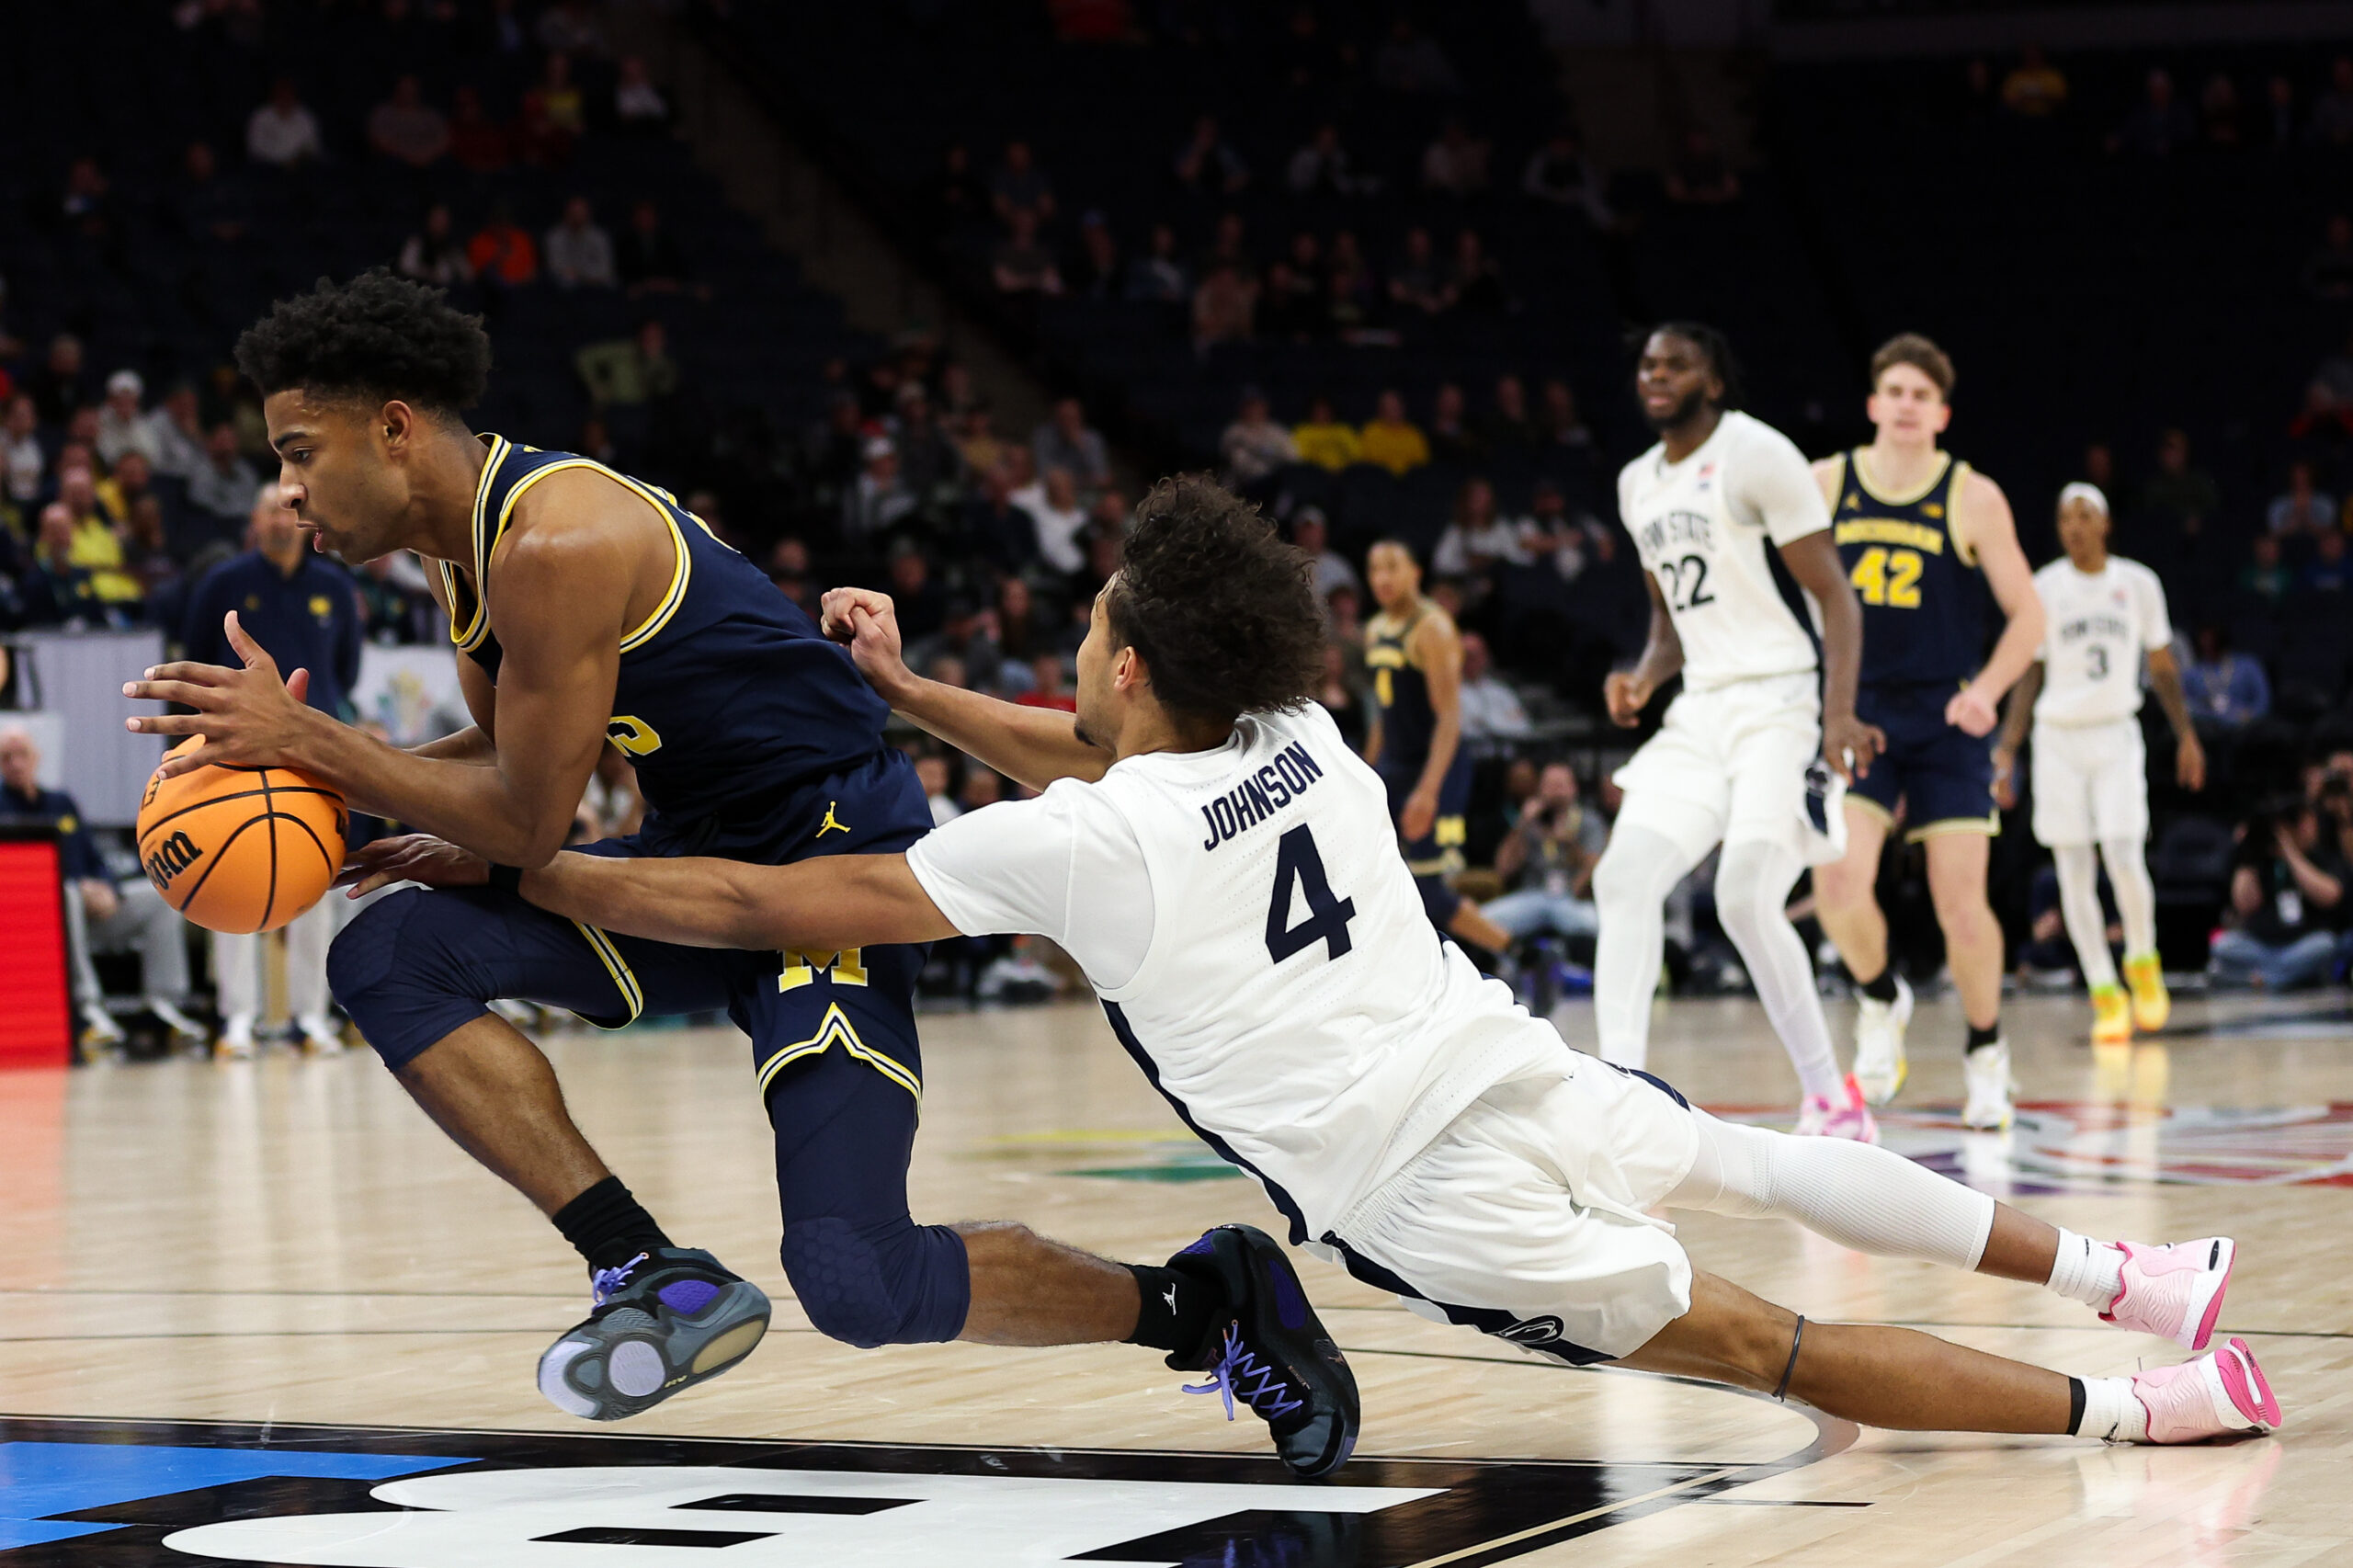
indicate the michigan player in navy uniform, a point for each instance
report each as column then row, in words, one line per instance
column 1415, row 739
column 1924, row 537
column 589, row 607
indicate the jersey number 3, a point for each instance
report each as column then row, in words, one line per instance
column 1296, row 860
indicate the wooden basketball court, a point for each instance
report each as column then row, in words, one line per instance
column 289, row 1249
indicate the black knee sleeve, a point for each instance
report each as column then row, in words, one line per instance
column 879, row 1281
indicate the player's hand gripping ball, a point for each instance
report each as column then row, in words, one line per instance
column 240, row 849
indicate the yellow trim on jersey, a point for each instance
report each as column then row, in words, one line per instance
column 1384, row 657
column 624, row 979
column 681, row 572
column 1990, row 826
column 835, row 1028
column 1870, row 808
column 1872, row 492
column 469, row 637
column 1963, row 551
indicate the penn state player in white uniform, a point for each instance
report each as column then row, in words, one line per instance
column 1728, row 765
column 2103, row 616
column 1225, row 872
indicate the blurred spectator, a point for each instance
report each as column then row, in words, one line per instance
column 60, row 384
column 577, row 251
column 2328, row 271
column 502, row 250
column 1338, row 696
column 85, row 206
column 282, row 133
column 1291, row 309
column 1322, row 168
column 132, row 479
column 2303, row 509
column 1255, row 446
column 1099, row 274
column 1477, row 281
column 2266, row 576
column 1323, row 440
column 2284, row 896
column 931, row 772
column 1060, row 520
column 1455, row 164
column 2177, row 495
column 1024, row 630
column 1493, row 715
column 1559, row 171
column 1410, row 61
column 638, row 104
column 1000, row 531
column 55, row 589
column 878, row 499
column 1230, row 246
column 963, row 636
column 1157, row 275
column 101, row 915
column 1507, row 426
column 1330, row 569
column 571, row 25
column 2332, row 121
column 1353, row 294
column 1701, row 176
column 224, row 486
column 122, row 424
column 630, row 372
column 926, row 457
column 206, row 206
column 1048, row 686
column 20, row 451
column 407, row 128
column 789, row 571
column 2280, row 114
column 2160, row 127
column 480, row 143
column 96, row 545
column 646, row 256
column 1547, row 860
column 1206, row 162
column 2218, row 112
column 432, row 254
column 1018, row 186
column 958, row 199
column 1559, row 426
column 1417, row 282
column 391, row 611
column 1066, row 441
column 1477, row 538
column 2224, row 688
column 977, row 442
column 1022, row 264
column 1225, row 306
column 2034, row 88
column 918, row 601
column 1450, row 437
column 1390, row 439
column 2327, row 572
column 554, row 114
column 179, row 438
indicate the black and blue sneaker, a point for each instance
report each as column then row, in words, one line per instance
column 663, row 1321
column 1269, row 1351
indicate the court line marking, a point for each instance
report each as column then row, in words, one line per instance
column 1549, row 1526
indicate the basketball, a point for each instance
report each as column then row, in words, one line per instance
column 240, row 849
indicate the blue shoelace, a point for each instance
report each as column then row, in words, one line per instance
column 605, row 1283
column 1240, row 1371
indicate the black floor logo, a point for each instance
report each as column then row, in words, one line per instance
column 136, row 1494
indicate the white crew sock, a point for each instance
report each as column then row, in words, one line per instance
column 2088, row 1271
column 2136, row 896
column 2078, row 868
column 2112, row 1412
column 1752, row 897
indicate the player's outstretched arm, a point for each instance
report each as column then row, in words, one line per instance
column 2015, row 719
column 1031, row 745
column 2189, row 753
column 1993, row 535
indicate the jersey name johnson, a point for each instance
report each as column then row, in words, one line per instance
column 1261, row 795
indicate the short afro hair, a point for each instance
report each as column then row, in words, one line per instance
column 1716, row 348
column 1222, row 609
column 377, row 339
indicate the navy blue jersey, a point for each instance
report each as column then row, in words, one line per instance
column 78, row 857
column 1401, row 692
column 727, row 692
column 1923, row 599
column 305, row 619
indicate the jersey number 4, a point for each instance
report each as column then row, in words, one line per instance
column 1296, row 860
column 1891, row 577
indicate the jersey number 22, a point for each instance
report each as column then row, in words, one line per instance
column 1296, row 861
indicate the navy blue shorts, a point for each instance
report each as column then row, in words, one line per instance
column 1943, row 776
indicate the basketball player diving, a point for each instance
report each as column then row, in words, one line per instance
column 1223, row 868
column 587, row 606
column 1925, row 537
column 1731, row 763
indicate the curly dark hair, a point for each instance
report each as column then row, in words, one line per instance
column 377, row 337
column 1222, row 609
column 1718, row 349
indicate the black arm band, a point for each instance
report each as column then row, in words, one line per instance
column 1795, row 1340
column 507, row 878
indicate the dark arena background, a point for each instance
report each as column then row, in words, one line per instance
column 924, row 297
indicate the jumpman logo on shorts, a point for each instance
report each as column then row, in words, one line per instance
column 831, row 822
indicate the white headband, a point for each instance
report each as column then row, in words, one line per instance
column 2079, row 491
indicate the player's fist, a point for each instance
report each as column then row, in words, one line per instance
column 869, row 623
column 1627, row 695
column 1418, row 815
column 2189, row 763
column 1849, row 744
column 1971, row 712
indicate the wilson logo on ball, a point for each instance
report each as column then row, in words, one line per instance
column 169, row 858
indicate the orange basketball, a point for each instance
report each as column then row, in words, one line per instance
column 240, row 848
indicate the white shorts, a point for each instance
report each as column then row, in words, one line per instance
column 2091, row 783
column 1525, row 1217
column 1728, row 766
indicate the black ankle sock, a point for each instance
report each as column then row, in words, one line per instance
column 608, row 1226
column 1884, row 988
column 1176, row 1308
column 1980, row 1039
column 2077, row 1399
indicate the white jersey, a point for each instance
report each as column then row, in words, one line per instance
column 1702, row 527
column 2097, row 630
column 1286, row 993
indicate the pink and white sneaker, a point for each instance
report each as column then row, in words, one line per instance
column 2221, row 1395
column 1821, row 1117
column 2176, row 1291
